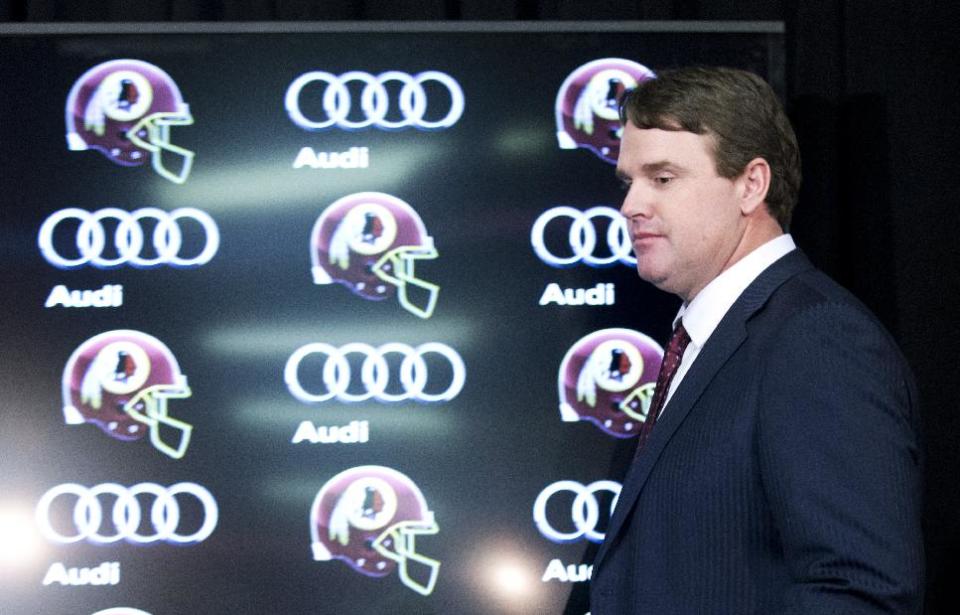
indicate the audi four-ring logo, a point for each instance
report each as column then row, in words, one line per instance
column 585, row 511
column 375, row 104
column 375, row 372
column 126, row 514
column 128, row 240
column 582, row 237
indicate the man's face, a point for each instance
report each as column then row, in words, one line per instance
column 684, row 219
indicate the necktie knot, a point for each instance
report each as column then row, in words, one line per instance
column 675, row 348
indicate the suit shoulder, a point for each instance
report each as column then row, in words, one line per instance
column 813, row 287
column 812, row 318
column 814, row 297
column 810, row 307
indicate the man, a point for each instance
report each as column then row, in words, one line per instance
column 782, row 475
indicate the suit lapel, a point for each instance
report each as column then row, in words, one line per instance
column 728, row 336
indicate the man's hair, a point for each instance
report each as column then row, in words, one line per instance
column 735, row 107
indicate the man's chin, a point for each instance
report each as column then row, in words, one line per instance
column 661, row 281
column 653, row 276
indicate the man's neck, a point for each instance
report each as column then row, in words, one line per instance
column 759, row 230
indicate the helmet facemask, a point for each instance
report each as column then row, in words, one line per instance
column 149, row 406
column 398, row 267
column 398, row 543
column 157, row 143
column 637, row 404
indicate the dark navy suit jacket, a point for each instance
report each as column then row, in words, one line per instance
column 784, row 474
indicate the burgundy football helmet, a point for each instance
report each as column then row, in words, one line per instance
column 608, row 378
column 120, row 381
column 370, row 242
column 124, row 109
column 369, row 517
column 588, row 105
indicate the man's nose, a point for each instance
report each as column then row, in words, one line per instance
column 635, row 203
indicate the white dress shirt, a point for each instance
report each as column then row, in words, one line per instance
column 701, row 316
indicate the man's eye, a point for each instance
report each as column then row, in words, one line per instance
column 625, row 185
column 662, row 179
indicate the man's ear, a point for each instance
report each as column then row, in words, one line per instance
column 754, row 183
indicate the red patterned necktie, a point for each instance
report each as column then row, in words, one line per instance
column 671, row 361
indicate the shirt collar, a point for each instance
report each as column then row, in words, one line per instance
column 702, row 315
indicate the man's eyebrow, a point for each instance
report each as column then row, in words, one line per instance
column 653, row 167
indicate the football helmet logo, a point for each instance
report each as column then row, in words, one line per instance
column 124, row 109
column 608, row 378
column 120, row 381
column 369, row 517
column 370, row 242
column 588, row 105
